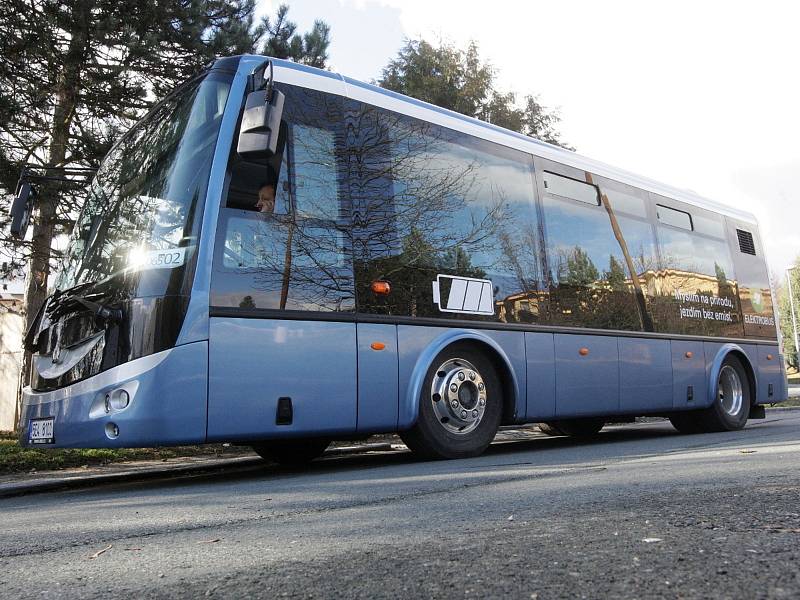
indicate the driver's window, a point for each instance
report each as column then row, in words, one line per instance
column 282, row 238
column 260, row 185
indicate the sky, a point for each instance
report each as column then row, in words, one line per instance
column 699, row 95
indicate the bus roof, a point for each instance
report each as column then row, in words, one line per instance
column 311, row 77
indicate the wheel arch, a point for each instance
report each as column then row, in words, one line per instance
column 725, row 351
column 494, row 352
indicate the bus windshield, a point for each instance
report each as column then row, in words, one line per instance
column 142, row 213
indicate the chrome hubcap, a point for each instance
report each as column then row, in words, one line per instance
column 730, row 391
column 458, row 395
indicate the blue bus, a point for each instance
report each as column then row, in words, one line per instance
column 282, row 256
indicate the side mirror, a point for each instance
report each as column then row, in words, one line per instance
column 21, row 209
column 261, row 123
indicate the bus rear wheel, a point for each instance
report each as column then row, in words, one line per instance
column 460, row 406
column 292, row 452
column 731, row 406
column 573, row 427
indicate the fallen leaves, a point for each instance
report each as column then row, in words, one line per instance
column 99, row 552
column 781, row 529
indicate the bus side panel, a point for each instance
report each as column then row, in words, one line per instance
column 377, row 377
column 587, row 375
column 540, row 357
column 645, row 373
column 690, row 382
column 414, row 341
column 254, row 362
column 770, row 373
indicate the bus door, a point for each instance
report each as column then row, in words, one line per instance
column 282, row 339
column 272, row 377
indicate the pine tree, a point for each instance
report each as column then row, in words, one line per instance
column 283, row 42
column 578, row 269
column 75, row 74
column 616, row 275
column 461, row 81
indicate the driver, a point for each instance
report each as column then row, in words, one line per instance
column 266, row 198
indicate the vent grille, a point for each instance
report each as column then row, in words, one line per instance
column 746, row 243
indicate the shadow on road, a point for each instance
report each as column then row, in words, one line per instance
column 533, row 448
column 513, row 447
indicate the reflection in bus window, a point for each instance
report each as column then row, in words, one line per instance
column 626, row 203
column 297, row 256
column 442, row 203
column 696, row 285
column 590, row 282
column 558, row 185
column 314, row 172
column 709, row 224
column 676, row 218
column 690, row 252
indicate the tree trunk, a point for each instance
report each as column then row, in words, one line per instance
column 66, row 96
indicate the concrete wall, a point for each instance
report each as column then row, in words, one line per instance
column 10, row 358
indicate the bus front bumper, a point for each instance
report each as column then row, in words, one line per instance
column 156, row 400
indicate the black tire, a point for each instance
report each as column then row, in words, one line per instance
column 445, row 431
column 292, row 452
column 586, row 427
column 731, row 407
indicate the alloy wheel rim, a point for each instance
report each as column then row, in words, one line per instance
column 731, row 395
column 458, row 396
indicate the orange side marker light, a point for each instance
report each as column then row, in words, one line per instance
column 377, row 345
column 769, row 356
column 583, row 351
column 689, row 354
column 381, row 288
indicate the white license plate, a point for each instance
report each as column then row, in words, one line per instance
column 40, row 431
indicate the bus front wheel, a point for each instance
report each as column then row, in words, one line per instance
column 459, row 408
column 731, row 406
column 291, row 452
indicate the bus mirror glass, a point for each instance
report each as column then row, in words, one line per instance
column 21, row 209
column 261, row 120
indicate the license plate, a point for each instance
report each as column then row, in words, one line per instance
column 40, row 431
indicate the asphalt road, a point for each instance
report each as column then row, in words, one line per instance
column 640, row 512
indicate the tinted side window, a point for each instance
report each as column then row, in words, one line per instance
column 291, row 251
column 592, row 252
column 434, row 204
column 696, row 284
column 558, row 185
column 589, row 283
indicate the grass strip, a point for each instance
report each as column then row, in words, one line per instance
column 16, row 459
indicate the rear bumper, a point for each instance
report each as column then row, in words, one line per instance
column 167, row 406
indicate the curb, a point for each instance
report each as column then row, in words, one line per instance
column 161, row 471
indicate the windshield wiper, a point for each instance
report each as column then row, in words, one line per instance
column 113, row 315
column 60, row 303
